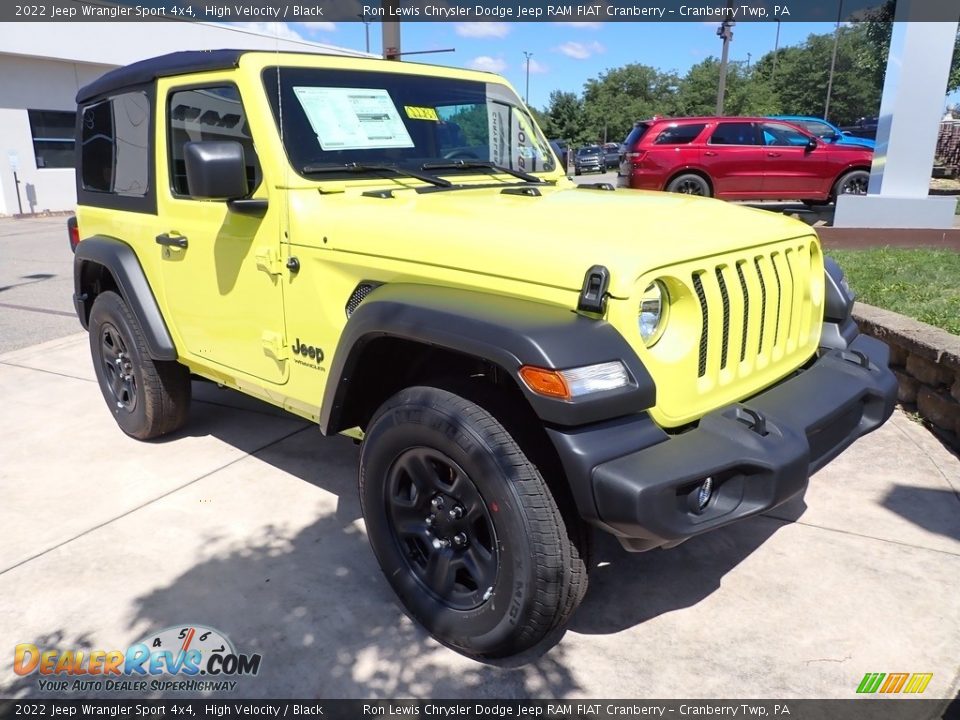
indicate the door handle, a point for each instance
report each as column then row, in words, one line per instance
column 710, row 153
column 172, row 239
column 773, row 154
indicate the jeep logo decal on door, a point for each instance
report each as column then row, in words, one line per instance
column 311, row 351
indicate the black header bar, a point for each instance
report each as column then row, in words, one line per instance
column 465, row 10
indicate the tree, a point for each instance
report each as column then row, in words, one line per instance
column 621, row 96
column 564, row 117
column 878, row 29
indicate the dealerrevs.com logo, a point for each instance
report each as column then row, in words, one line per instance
column 185, row 658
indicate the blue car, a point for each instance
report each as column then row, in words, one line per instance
column 828, row 132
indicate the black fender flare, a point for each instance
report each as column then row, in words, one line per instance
column 122, row 263
column 507, row 332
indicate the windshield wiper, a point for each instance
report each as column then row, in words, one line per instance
column 481, row 164
column 364, row 168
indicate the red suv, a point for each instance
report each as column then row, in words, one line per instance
column 738, row 158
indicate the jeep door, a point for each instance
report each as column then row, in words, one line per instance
column 221, row 267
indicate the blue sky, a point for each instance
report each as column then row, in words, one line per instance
column 565, row 55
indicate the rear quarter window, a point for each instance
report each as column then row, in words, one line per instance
column 679, row 134
column 114, row 145
column 636, row 135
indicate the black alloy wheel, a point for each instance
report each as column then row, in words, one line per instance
column 438, row 517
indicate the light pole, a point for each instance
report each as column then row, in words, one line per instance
column 725, row 32
column 526, row 97
column 833, row 60
column 366, row 28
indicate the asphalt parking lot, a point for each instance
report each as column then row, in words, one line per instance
column 248, row 521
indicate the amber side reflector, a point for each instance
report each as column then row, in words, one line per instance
column 545, row 382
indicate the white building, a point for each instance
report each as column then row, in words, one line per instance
column 42, row 65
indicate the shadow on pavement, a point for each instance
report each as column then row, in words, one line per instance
column 937, row 511
column 313, row 603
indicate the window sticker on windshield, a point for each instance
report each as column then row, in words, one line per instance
column 353, row 118
column 421, row 113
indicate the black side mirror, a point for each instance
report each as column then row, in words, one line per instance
column 811, row 144
column 215, row 169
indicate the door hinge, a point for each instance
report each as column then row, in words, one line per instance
column 275, row 345
column 268, row 260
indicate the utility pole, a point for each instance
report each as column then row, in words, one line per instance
column 749, row 55
column 526, row 97
column 833, row 60
column 390, row 30
column 725, row 32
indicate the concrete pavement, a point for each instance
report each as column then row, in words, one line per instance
column 248, row 521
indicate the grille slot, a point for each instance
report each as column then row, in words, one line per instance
column 776, row 274
column 704, row 339
column 763, row 303
column 746, row 311
column 358, row 295
column 726, row 316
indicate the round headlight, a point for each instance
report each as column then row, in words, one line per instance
column 652, row 307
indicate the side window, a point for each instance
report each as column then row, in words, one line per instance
column 780, row 134
column 210, row 113
column 679, row 134
column 114, row 139
column 734, row 133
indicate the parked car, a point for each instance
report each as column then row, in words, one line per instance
column 740, row 159
column 589, row 159
column 865, row 127
column 826, row 131
column 611, row 155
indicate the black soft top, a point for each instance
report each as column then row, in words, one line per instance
column 145, row 71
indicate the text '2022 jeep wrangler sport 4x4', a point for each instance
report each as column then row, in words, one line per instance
column 392, row 251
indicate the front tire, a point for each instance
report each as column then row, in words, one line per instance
column 854, row 182
column 147, row 398
column 464, row 526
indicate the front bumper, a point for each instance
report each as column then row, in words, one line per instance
column 759, row 453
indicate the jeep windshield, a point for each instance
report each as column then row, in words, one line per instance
column 342, row 121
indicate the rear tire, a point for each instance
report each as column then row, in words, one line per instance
column 689, row 184
column 514, row 575
column 148, row 398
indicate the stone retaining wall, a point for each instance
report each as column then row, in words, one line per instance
column 926, row 361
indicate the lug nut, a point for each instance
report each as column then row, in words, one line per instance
column 456, row 513
column 437, row 502
column 460, row 539
column 443, row 542
column 431, row 519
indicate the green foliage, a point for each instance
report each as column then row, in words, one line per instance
column 921, row 283
column 873, row 55
column 564, row 117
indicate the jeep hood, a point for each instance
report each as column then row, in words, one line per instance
column 549, row 239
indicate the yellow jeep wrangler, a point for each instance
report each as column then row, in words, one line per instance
column 392, row 251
